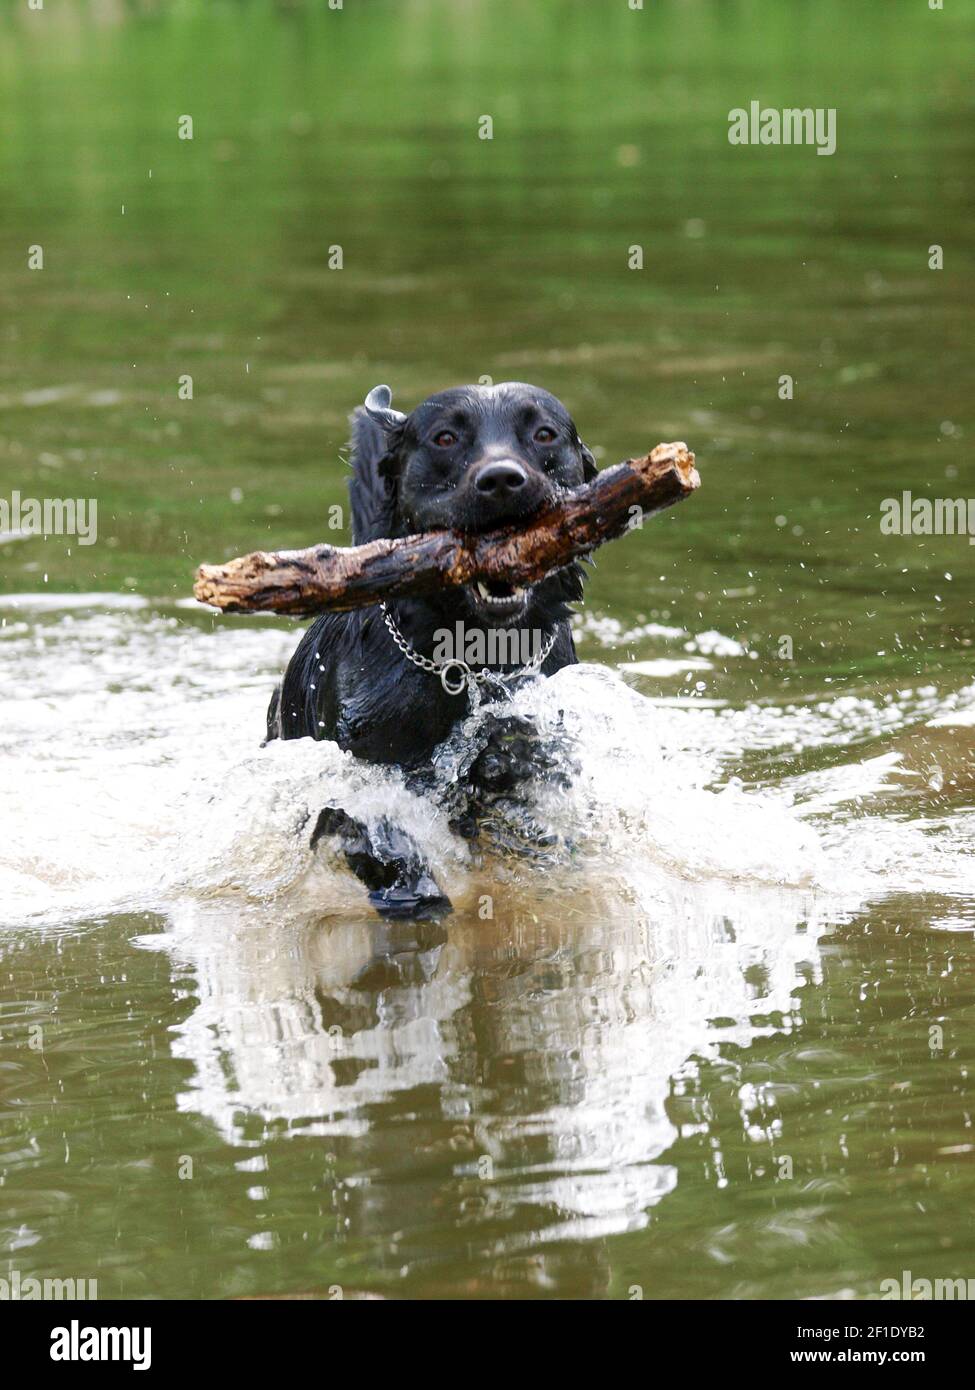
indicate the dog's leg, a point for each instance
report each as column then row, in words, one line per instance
column 497, row 789
column 389, row 863
column 512, row 755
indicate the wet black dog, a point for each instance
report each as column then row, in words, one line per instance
column 469, row 459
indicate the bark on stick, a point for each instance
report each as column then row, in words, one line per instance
column 304, row 582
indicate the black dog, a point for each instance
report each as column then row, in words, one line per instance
column 469, row 459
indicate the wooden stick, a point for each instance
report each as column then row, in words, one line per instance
column 303, row 582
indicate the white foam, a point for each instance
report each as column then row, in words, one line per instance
column 134, row 777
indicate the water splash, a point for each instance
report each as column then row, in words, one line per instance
column 677, row 911
column 134, row 778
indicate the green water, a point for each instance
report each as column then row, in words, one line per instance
column 508, row 258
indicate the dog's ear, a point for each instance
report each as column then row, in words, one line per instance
column 589, row 469
column 377, row 405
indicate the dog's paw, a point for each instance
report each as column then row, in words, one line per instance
column 514, row 753
column 416, row 899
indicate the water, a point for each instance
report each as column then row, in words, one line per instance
column 719, row 1044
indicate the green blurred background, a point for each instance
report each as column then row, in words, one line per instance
column 359, row 128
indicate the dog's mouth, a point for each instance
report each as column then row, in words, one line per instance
column 496, row 599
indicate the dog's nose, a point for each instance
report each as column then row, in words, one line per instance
column 501, row 479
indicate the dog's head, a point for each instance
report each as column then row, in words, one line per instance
column 475, row 457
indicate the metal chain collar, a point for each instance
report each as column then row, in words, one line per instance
column 456, row 676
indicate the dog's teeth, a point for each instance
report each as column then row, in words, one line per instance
column 515, row 597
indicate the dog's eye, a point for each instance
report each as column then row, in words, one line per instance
column 444, row 439
column 545, row 435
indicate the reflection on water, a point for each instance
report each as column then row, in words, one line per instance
column 586, row 1051
column 720, row 1045
column 550, row 1041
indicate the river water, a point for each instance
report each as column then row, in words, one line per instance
column 719, row 1042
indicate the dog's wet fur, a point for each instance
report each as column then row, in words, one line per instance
column 469, row 459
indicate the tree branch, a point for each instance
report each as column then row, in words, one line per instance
column 303, row 582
